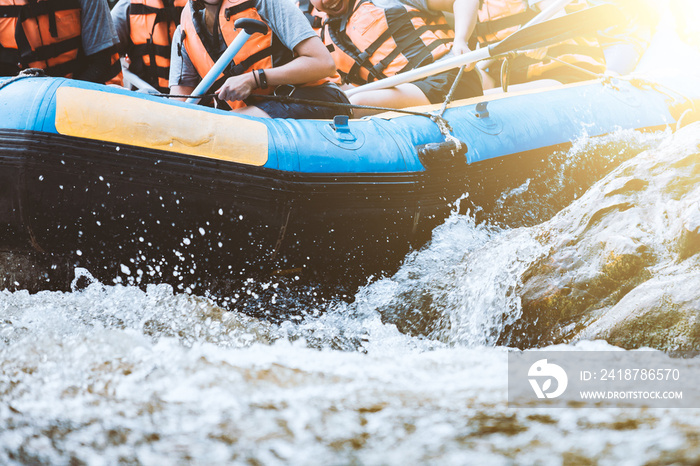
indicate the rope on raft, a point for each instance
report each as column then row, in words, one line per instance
column 437, row 117
column 442, row 123
column 457, row 146
column 295, row 100
column 26, row 73
column 322, row 103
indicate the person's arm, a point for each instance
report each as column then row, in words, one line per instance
column 183, row 77
column 465, row 17
column 312, row 62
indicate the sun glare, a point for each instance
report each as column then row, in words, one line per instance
column 675, row 45
column 685, row 15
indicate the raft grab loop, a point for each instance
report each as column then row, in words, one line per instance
column 339, row 133
column 342, row 129
column 482, row 110
column 441, row 154
column 448, row 152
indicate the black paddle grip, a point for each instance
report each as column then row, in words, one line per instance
column 251, row 26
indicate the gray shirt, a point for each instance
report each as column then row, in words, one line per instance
column 96, row 28
column 285, row 19
column 120, row 18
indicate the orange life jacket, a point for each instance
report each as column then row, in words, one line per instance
column 45, row 34
column 152, row 24
column 376, row 42
column 41, row 34
column 317, row 19
column 500, row 18
column 255, row 54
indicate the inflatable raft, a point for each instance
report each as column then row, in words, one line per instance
column 155, row 187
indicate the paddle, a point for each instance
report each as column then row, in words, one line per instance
column 250, row 27
column 139, row 83
column 537, row 35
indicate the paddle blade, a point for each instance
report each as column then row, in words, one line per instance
column 560, row 29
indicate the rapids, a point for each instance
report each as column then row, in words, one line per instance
column 410, row 368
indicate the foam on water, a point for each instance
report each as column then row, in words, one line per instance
column 409, row 370
column 85, row 382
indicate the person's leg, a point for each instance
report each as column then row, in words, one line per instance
column 305, row 109
column 485, row 68
column 430, row 90
column 401, row 96
column 252, row 110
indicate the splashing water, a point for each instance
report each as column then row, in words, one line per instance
column 411, row 369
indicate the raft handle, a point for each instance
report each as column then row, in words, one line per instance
column 445, row 153
column 342, row 128
column 481, row 110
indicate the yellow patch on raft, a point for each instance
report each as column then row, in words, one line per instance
column 122, row 119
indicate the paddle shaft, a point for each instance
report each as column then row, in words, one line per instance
column 454, row 62
column 137, row 82
column 219, row 66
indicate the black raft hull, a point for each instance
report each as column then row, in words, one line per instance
column 84, row 186
column 154, row 217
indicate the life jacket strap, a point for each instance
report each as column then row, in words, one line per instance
column 46, row 52
column 234, row 10
column 491, row 27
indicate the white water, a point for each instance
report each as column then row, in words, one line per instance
column 83, row 379
column 114, row 374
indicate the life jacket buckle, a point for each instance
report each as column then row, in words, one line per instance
column 285, row 90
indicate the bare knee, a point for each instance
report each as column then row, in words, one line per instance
column 253, row 111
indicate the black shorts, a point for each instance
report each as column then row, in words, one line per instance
column 326, row 92
column 437, row 87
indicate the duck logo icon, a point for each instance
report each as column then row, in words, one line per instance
column 546, row 371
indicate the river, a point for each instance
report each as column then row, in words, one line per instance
column 601, row 252
column 410, row 368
